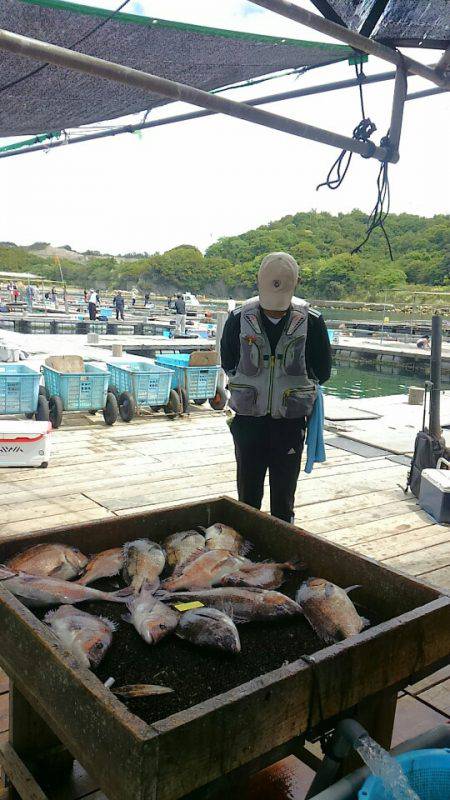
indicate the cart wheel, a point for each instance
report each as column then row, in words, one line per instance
column 173, row 407
column 42, row 390
column 113, row 390
column 219, row 401
column 43, row 410
column 44, row 465
column 200, row 402
column 56, row 410
column 156, row 408
column 184, row 400
column 127, row 406
column 30, row 415
column 111, row 410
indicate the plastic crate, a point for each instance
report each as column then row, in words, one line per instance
column 78, row 390
column 19, row 389
column 200, row 383
column 428, row 773
column 150, row 385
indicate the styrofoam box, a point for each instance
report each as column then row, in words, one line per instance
column 24, row 443
column 434, row 496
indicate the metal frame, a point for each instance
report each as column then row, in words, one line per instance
column 214, row 103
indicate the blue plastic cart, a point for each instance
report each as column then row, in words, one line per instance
column 141, row 383
column 197, row 384
column 20, row 392
column 79, row 391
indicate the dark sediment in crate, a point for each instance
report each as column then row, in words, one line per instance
column 197, row 674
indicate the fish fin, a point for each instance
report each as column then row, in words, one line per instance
column 126, row 617
column 237, row 619
column 352, row 588
column 141, row 690
column 48, row 617
column 199, row 529
column 109, row 623
column 125, row 592
column 366, row 622
column 293, row 566
column 150, row 588
column 245, row 548
column 179, row 569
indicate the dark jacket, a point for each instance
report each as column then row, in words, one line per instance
column 119, row 302
column 318, row 350
column 180, row 306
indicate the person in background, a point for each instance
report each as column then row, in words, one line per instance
column 29, row 296
column 133, row 298
column 146, row 299
column 54, row 296
column 180, row 319
column 119, row 303
column 15, row 293
column 274, row 349
column 92, row 304
column 85, row 295
column 231, row 305
column 424, row 342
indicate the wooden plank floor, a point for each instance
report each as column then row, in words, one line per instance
column 97, row 472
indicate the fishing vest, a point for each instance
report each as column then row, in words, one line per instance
column 272, row 384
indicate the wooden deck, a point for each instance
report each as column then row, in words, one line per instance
column 96, row 472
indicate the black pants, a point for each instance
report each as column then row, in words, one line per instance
column 92, row 310
column 276, row 445
column 119, row 312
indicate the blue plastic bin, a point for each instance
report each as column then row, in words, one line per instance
column 428, row 772
column 200, row 383
column 79, row 391
column 150, row 385
column 19, row 389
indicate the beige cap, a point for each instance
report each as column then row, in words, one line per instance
column 277, row 279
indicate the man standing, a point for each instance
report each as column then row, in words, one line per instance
column 92, row 304
column 180, row 319
column 119, row 303
column 275, row 349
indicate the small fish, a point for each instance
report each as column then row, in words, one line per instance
column 152, row 619
column 143, row 563
column 241, row 604
column 37, row 591
column 102, row 565
column 86, row 636
column 50, row 561
column 329, row 610
column 201, row 571
column 181, row 546
column 141, row 690
column 222, row 537
column 263, row 575
column 209, row 627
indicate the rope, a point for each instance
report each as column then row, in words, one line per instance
column 70, row 46
column 382, row 206
column 362, row 132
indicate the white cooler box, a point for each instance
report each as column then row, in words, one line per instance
column 24, row 443
column 434, row 496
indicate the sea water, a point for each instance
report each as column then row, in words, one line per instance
column 386, row 768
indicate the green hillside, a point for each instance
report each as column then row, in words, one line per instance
column 321, row 243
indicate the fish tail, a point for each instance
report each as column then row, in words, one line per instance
column 293, row 566
column 245, row 548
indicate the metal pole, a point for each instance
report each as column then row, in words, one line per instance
column 258, row 101
column 398, row 106
column 435, row 376
column 61, row 56
column 356, row 40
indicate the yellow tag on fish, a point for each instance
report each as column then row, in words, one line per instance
column 188, row 606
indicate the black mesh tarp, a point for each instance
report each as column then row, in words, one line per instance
column 399, row 22
column 206, row 58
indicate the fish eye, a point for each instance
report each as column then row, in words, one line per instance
column 162, row 626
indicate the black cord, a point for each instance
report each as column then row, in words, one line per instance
column 362, row 132
column 382, row 206
column 70, row 46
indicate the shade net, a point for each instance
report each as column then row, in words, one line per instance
column 55, row 98
column 407, row 22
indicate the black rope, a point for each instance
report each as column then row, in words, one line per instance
column 70, row 46
column 382, row 206
column 362, row 133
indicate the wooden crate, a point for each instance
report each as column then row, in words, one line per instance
column 53, row 697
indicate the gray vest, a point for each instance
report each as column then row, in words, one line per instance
column 277, row 385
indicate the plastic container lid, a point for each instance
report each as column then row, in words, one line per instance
column 10, row 428
column 438, row 477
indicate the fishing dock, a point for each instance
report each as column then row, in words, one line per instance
column 405, row 355
column 353, row 499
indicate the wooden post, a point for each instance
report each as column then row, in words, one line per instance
column 34, row 742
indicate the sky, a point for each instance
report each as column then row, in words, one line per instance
column 194, row 182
